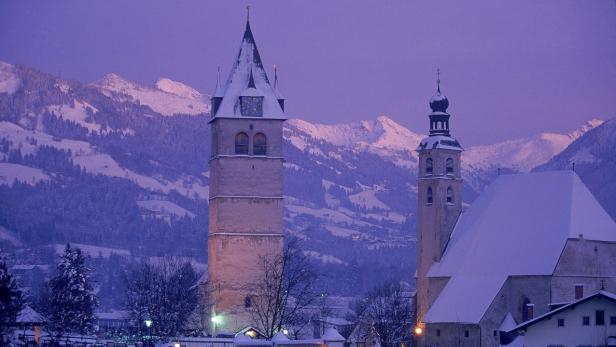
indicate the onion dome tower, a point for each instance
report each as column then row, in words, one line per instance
column 439, row 196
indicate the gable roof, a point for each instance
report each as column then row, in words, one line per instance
column 247, row 76
column 601, row 294
column 518, row 226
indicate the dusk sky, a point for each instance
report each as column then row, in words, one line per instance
column 510, row 69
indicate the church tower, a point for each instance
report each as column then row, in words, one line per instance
column 245, row 203
column 439, row 197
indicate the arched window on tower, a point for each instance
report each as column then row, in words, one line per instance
column 449, row 195
column 449, row 166
column 241, row 143
column 259, row 144
column 429, row 195
column 429, row 166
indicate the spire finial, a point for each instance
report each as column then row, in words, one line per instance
column 247, row 13
column 275, row 76
column 438, row 80
column 218, row 75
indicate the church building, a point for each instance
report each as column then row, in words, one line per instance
column 246, row 173
column 527, row 245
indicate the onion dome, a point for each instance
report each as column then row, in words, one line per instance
column 439, row 102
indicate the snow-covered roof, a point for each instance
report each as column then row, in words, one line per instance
column 280, row 337
column 439, row 141
column 518, row 226
column 508, row 323
column 247, row 64
column 331, row 334
column 29, row 315
column 601, row 293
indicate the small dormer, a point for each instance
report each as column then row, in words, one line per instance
column 251, row 101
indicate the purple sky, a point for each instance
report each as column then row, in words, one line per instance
column 509, row 69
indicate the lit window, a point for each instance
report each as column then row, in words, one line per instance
column 449, row 166
column 429, row 166
column 449, row 195
column 429, row 195
column 259, row 144
column 241, row 143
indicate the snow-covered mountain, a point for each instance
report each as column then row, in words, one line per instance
column 166, row 98
column 121, row 169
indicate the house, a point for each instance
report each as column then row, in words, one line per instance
column 590, row 321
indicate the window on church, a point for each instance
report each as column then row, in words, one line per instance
column 561, row 322
column 449, row 195
column 612, row 320
column 429, row 195
column 259, row 144
column 247, row 302
column 241, row 143
column 466, row 333
column 449, row 166
column 429, row 166
column 599, row 317
column 579, row 291
column 586, row 320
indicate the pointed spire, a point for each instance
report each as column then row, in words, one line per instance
column 438, row 80
column 275, row 76
column 247, row 13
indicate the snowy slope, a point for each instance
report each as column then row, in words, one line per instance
column 523, row 154
column 167, row 98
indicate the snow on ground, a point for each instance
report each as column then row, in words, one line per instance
column 164, row 209
column 368, row 200
column 324, row 258
column 77, row 114
column 6, row 235
column 344, row 232
column 9, row 173
column 168, row 98
column 92, row 251
column 95, row 162
column 9, row 81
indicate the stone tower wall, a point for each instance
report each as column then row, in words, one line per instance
column 245, row 214
column 437, row 220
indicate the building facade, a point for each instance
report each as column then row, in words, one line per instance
column 528, row 244
column 246, row 180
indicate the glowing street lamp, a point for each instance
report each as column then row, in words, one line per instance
column 418, row 330
column 216, row 320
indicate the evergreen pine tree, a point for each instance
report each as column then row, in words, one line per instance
column 10, row 299
column 71, row 303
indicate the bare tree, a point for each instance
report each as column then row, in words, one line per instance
column 388, row 312
column 286, row 290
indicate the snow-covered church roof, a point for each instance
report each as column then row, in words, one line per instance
column 247, row 77
column 518, row 226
